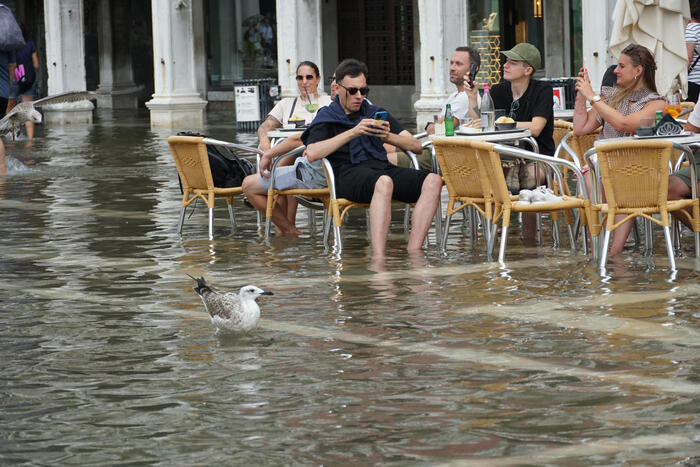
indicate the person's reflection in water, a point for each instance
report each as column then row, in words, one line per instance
column 382, row 281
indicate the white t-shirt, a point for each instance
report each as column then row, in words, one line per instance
column 694, row 117
column 459, row 103
column 692, row 35
column 283, row 110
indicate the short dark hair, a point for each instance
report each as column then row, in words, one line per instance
column 311, row 65
column 474, row 56
column 350, row 67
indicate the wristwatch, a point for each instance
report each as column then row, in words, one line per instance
column 594, row 99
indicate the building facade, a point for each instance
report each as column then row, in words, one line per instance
column 176, row 57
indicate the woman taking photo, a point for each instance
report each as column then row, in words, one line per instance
column 619, row 108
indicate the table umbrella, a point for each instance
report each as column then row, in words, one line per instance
column 658, row 25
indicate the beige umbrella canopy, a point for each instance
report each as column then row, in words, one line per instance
column 658, row 25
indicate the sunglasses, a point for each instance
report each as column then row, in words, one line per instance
column 514, row 108
column 308, row 77
column 352, row 91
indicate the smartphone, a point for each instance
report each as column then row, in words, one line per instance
column 473, row 70
column 381, row 115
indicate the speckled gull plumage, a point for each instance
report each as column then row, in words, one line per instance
column 231, row 311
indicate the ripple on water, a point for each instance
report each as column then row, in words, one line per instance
column 109, row 356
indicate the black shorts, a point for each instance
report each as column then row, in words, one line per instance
column 356, row 181
column 3, row 106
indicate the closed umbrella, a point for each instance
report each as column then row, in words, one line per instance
column 658, row 25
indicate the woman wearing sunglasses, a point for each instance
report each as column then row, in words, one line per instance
column 291, row 109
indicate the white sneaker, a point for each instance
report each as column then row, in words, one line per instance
column 525, row 196
column 543, row 194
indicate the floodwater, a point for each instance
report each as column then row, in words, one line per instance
column 108, row 356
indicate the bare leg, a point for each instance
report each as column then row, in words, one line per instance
column 291, row 209
column 380, row 214
column 257, row 196
column 619, row 236
column 677, row 189
column 11, row 103
column 3, row 167
column 29, row 125
column 424, row 211
column 529, row 226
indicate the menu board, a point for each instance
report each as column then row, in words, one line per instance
column 247, row 103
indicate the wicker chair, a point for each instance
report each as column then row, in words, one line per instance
column 465, row 184
column 489, row 156
column 635, row 179
column 192, row 162
column 339, row 207
column 322, row 194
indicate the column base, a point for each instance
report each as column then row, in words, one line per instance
column 426, row 107
column 69, row 113
column 184, row 111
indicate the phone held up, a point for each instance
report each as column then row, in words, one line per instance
column 381, row 115
column 473, row 70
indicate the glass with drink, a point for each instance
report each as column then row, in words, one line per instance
column 673, row 106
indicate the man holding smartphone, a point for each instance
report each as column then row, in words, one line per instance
column 349, row 135
column 464, row 65
column 464, row 60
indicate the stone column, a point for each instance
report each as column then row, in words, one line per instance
column 434, row 63
column 177, row 101
column 297, row 22
column 116, row 70
column 65, row 58
column 596, row 18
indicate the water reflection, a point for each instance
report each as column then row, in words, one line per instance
column 424, row 358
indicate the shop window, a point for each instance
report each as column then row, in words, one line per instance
column 381, row 35
column 241, row 40
column 496, row 25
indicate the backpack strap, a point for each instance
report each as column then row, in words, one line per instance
column 291, row 112
column 694, row 63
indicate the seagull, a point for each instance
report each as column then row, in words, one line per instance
column 231, row 311
column 26, row 111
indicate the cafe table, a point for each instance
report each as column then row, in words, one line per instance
column 279, row 134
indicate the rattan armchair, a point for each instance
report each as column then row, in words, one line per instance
column 489, row 156
column 634, row 177
column 192, row 162
column 466, row 185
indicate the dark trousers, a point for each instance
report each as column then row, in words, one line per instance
column 3, row 106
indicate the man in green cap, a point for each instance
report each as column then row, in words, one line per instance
column 529, row 102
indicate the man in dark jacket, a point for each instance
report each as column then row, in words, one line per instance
column 347, row 133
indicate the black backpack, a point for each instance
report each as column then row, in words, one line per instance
column 227, row 170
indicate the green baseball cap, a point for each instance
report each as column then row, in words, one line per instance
column 525, row 52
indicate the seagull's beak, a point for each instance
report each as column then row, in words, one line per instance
column 267, row 293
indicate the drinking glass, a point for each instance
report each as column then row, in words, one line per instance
column 311, row 103
column 673, row 107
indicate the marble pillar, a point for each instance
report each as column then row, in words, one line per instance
column 65, row 58
column 299, row 38
column 179, row 64
column 117, row 88
column 442, row 28
column 596, row 18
